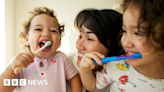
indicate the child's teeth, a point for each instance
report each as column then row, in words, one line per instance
column 130, row 53
column 43, row 41
column 80, row 55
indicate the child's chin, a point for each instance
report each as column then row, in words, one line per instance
column 45, row 56
column 132, row 62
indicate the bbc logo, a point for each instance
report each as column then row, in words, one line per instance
column 14, row 82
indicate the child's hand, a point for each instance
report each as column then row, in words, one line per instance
column 87, row 63
column 22, row 59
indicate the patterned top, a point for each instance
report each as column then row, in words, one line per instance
column 124, row 78
column 48, row 78
column 73, row 58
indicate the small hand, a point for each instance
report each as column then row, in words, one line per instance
column 87, row 63
column 22, row 59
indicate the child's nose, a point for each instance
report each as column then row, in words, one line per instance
column 46, row 34
column 80, row 44
column 127, row 41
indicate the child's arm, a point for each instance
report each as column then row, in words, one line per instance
column 22, row 59
column 86, row 65
column 7, row 74
column 75, row 84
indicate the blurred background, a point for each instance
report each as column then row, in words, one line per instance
column 13, row 11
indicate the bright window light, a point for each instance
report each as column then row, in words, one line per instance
column 2, row 35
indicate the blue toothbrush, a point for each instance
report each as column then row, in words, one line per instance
column 117, row 58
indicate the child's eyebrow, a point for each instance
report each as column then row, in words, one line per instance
column 37, row 25
column 87, row 32
column 132, row 26
column 55, row 27
column 33, row 26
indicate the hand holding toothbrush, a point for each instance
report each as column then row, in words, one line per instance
column 117, row 58
column 19, row 68
column 91, row 59
column 87, row 63
column 22, row 59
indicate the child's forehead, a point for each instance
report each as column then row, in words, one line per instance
column 134, row 10
column 131, row 17
column 44, row 19
column 44, row 16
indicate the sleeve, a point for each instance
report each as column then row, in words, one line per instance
column 70, row 70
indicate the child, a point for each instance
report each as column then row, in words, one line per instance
column 50, row 66
column 98, row 29
column 143, row 32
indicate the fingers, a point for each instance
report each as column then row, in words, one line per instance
column 95, row 56
column 28, row 56
column 87, row 60
column 22, row 59
column 87, row 63
column 85, row 66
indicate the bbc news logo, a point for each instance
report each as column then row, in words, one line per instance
column 23, row 82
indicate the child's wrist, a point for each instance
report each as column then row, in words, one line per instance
column 11, row 72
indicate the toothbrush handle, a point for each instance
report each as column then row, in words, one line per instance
column 107, row 59
column 117, row 58
column 36, row 53
column 19, row 68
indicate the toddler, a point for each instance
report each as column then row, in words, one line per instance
column 51, row 67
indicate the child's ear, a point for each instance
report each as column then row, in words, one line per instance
column 60, row 41
column 26, row 39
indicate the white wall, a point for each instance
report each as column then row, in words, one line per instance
column 9, row 29
column 66, row 11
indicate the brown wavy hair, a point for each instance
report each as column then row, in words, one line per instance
column 27, row 20
column 151, row 13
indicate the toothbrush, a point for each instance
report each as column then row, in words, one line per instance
column 19, row 68
column 117, row 58
column 48, row 43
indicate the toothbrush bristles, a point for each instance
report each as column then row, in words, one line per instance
column 48, row 43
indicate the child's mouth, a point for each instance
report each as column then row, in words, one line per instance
column 42, row 43
column 80, row 56
column 129, row 53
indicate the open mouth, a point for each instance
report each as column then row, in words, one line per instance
column 42, row 43
column 130, row 53
column 80, row 56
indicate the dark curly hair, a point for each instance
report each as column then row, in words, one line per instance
column 105, row 24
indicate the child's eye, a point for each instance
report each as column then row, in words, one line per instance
column 123, row 31
column 38, row 29
column 80, row 36
column 90, row 39
column 52, row 30
column 136, row 33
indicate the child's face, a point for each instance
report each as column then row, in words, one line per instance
column 43, row 28
column 88, row 42
column 134, row 43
